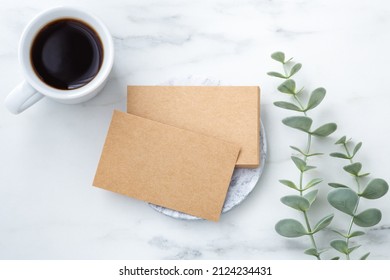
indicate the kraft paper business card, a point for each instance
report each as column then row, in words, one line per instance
column 230, row 113
column 165, row 165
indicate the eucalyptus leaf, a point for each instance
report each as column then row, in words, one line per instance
column 278, row 56
column 315, row 98
column 311, row 196
column 339, row 233
column 340, row 245
column 287, row 87
column 353, row 168
column 368, row 218
column 323, row 223
column 365, row 256
column 344, row 200
column 339, row 155
column 357, row 148
column 375, row 189
column 312, row 252
column 290, row 228
column 276, row 74
column 299, row 122
column 314, row 154
column 363, row 175
column 295, row 69
column 312, row 183
column 299, row 91
column 325, row 130
column 335, row 258
column 295, row 201
column 299, row 163
column 298, row 150
column 356, row 234
column 351, row 249
column 337, row 185
column 309, row 167
column 289, row 184
column 287, row 106
column 342, row 140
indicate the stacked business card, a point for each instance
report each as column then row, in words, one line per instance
column 177, row 146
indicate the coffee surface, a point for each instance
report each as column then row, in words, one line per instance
column 66, row 54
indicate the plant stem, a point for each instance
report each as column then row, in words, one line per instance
column 300, row 104
column 357, row 204
column 307, row 151
column 313, row 242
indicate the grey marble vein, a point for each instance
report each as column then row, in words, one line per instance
column 49, row 154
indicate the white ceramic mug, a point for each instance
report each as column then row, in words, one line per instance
column 33, row 88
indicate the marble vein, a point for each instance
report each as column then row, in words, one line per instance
column 48, row 155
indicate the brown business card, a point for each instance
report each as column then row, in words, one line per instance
column 230, row 113
column 165, row 165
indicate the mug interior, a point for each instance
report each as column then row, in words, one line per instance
column 34, row 27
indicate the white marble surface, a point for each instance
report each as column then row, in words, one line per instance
column 48, row 154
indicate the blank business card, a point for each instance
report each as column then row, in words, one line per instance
column 230, row 113
column 165, row 165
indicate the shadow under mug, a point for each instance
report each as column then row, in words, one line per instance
column 33, row 88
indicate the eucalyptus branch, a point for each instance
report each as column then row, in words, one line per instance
column 346, row 199
column 290, row 227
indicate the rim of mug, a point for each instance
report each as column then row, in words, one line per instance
column 32, row 29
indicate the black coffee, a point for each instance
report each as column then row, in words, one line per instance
column 66, row 54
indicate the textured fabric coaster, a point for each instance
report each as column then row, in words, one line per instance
column 230, row 113
column 168, row 166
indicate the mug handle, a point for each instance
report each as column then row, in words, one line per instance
column 21, row 98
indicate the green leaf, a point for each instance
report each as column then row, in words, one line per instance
column 309, row 167
column 314, row 154
column 312, row 183
column 312, row 252
column 287, row 106
column 315, row 98
column 287, row 87
column 298, row 150
column 339, row 155
column 344, row 200
column 325, row 130
column 335, row 258
column 295, row 201
column 299, row 163
column 276, row 74
column 356, row 234
column 364, row 257
column 295, row 69
column 337, row 185
column 323, row 223
column 304, row 154
column 290, row 228
column 340, row 245
column 357, row 148
column 351, row 249
column 299, row 122
column 311, row 196
column 363, row 175
column 278, row 56
column 353, row 168
column 339, row 233
column 342, row 140
column 375, row 189
column 289, row 184
column 368, row 218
